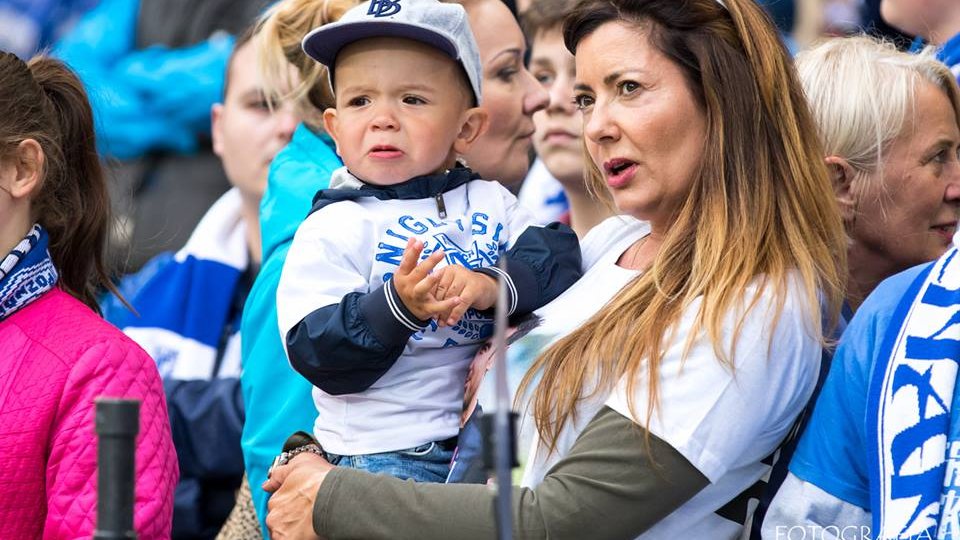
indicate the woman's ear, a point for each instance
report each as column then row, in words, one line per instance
column 330, row 124
column 27, row 160
column 474, row 124
column 216, row 128
column 842, row 177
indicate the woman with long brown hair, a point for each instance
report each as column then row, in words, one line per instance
column 693, row 340
column 58, row 354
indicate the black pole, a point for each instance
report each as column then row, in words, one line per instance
column 118, row 422
column 500, row 443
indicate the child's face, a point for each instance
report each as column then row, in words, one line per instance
column 402, row 110
column 559, row 127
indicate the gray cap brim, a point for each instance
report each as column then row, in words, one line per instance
column 324, row 44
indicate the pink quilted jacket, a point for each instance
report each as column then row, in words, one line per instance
column 56, row 356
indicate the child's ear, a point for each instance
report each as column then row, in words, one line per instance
column 330, row 124
column 842, row 177
column 475, row 122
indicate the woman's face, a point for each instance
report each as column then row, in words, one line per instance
column 644, row 129
column 906, row 214
column 247, row 130
column 921, row 17
column 559, row 135
column 510, row 95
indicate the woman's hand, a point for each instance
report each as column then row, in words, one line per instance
column 294, row 487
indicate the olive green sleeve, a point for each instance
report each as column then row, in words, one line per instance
column 606, row 487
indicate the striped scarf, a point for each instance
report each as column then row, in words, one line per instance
column 909, row 412
column 26, row 272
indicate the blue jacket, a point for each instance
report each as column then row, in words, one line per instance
column 278, row 400
column 29, row 26
column 157, row 98
column 187, row 318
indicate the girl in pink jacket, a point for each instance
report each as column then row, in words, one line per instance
column 56, row 353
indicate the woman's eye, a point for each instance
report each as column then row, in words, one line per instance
column 545, row 79
column 261, row 105
column 583, row 101
column 629, row 87
column 507, row 74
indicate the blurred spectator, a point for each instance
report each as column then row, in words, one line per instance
column 153, row 69
column 28, row 26
column 559, row 128
column 936, row 22
column 188, row 305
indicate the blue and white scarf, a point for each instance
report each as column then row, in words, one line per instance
column 909, row 408
column 949, row 54
column 26, row 273
column 183, row 302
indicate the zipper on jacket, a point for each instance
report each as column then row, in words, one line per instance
column 441, row 207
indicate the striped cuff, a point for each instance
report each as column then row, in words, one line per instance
column 403, row 315
column 498, row 274
column 386, row 316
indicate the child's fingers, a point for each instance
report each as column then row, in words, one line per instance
column 442, row 287
column 438, row 308
column 411, row 254
column 457, row 312
column 427, row 265
column 425, row 286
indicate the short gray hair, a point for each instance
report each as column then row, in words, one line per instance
column 861, row 90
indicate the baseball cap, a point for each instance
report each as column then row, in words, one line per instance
column 444, row 26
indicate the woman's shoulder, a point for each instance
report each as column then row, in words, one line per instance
column 613, row 234
column 69, row 330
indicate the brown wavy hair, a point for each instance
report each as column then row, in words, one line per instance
column 760, row 209
column 44, row 100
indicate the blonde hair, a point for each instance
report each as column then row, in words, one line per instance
column 861, row 92
column 760, row 210
column 277, row 39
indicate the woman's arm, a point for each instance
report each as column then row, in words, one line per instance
column 606, row 487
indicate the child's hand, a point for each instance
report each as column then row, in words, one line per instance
column 415, row 284
column 475, row 290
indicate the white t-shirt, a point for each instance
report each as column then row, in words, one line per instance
column 355, row 246
column 723, row 422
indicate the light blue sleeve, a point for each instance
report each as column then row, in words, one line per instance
column 832, row 453
column 277, row 399
column 152, row 99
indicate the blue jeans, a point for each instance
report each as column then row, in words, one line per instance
column 428, row 462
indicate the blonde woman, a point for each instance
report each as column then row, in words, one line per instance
column 685, row 353
column 886, row 119
column 276, row 399
column 891, row 126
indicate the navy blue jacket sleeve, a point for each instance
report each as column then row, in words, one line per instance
column 541, row 264
column 344, row 348
column 206, row 418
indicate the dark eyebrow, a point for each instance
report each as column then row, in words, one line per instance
column 580, row 87
column 611, row 78
column 515, row 52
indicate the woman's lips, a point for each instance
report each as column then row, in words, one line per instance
column 946, row 231
column 619, row 172
column 559, row 136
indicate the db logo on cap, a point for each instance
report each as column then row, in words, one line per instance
column 384, row 8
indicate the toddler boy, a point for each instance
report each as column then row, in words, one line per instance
column 382, row 297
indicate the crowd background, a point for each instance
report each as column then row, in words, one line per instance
column 186, row 131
